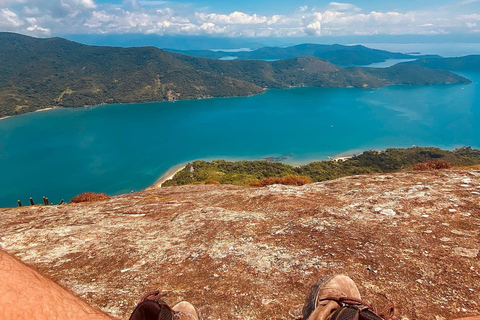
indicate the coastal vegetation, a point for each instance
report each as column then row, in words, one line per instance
column 288, row 181
column 390, row 160
column 40, row 73
column 432, row 165
column 89, row 197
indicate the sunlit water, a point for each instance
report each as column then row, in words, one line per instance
column 120, row 148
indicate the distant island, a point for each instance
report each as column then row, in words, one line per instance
column 336, row 53
column 40, row 73
column 466, row 63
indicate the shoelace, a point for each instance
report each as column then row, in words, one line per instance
column 386, row 313
column 155, row 296
column 179, row 314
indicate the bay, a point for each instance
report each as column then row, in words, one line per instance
column 121, row 148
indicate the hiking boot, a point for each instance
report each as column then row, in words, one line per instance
column 152, row 307
column 185, row 311
column 337, row 298
column 317, row 307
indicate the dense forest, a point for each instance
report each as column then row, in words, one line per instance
column 390, row 160
column 38, row 73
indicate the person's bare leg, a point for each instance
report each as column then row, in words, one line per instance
column 26, row 294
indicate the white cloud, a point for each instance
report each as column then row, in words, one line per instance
column 9, row 20
column 464, row 2
column 341, row 6
column 31, row 11
column 4, row 3
column 34, row 28
column 232, row 18
column 152, row 3
column 168, row 17
column 469, row 17
column 302, row 9
column 77, row 5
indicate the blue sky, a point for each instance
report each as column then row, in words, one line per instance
column 249, row 18
column 286, row 6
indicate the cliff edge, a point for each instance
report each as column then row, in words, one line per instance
column 252, row 253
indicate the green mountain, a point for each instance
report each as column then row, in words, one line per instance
column 466, row 63
column 38, row 73
column 336, row 54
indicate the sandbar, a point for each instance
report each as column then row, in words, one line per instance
column 46, row 109
column 168, row 175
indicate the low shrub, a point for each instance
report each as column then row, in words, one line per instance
column 288, row 180
column 211, row 181
column 89, row 197
column 432, row 165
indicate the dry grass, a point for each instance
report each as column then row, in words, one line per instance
column 468, row 168
column 211, row 181
column 89, row 197
column 288, row 180
column 432, row 165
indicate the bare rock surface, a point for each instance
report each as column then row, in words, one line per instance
column 252, row 253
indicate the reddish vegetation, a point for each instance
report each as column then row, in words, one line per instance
column 432, row 165
column 288, row 180
column 89, row 197
column 211, row 181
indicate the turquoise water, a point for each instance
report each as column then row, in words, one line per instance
column 122, row 148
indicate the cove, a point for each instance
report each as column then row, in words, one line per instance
column 121, row 148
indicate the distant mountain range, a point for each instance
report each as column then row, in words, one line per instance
column 38, row 73
column 467, row 63
column 336, row 54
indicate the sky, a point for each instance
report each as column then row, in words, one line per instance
column 237, row 18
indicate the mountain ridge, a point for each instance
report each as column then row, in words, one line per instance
column 335, row 53
column 465, row 63
column 38, row 73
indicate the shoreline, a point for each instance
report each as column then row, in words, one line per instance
column 46, row 109
column 6, row 117
column 263, row 91
column 168, row 175
column 348, row 154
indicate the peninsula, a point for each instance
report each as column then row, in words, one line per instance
column 40, row 73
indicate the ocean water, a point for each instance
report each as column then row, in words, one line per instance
column 127, row 147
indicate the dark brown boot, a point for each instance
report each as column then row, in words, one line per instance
column 152, row 307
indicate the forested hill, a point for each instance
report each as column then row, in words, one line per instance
column 466, row 63
column 37, row 73
column 336, row 54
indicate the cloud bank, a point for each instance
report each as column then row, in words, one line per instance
column 56, row 17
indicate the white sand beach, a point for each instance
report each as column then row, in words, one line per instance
column 347, row 155
column 46, row 109
column 168, row 175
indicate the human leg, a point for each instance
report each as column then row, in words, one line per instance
column 26, row 294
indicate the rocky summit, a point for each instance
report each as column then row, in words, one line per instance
column 252, row 253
